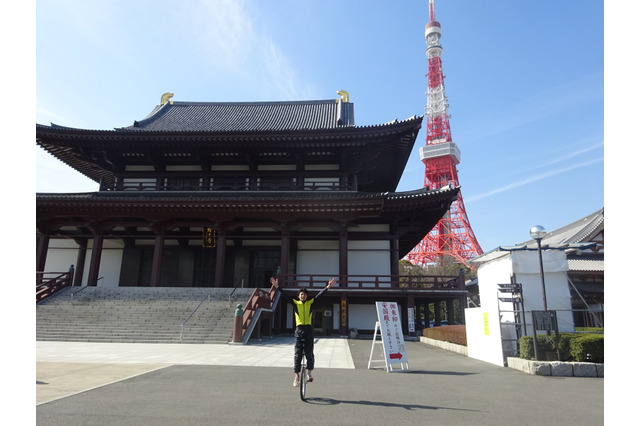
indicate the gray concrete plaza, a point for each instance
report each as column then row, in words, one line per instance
column 147, row 384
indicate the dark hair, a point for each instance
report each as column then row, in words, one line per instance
column 303, row 290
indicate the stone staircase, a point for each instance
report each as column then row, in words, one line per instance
column 139, row 314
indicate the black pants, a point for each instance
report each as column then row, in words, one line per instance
column 304, row 343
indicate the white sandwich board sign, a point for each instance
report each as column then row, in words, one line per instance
column 392, row 338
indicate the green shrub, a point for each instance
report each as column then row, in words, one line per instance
column 572, row 346
column 588, row 346
column 451, row 333
column 527, row 351
column 590, row 329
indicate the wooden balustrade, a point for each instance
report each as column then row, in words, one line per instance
column 422, row 282
column 48, row 283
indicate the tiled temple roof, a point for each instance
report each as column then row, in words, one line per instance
column 247, row 116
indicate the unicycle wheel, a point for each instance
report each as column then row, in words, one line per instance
column 303, row 383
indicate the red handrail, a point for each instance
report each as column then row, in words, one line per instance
column 48, row 283
column 259, row 299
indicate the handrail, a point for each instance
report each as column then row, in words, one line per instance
column 84, row 288
column 235, row 288
column 46, row 286
column 254, row 315
column 81, row 289
column 207, row 297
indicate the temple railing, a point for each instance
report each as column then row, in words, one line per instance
column 48, row 283
column 412, row 282
column 163, row 185
column 260, row 301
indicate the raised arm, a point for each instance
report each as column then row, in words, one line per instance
column 274, row 282
column 330, row 284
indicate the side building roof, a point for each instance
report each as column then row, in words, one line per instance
column 583, row 234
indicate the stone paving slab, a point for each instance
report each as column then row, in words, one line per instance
column 440, row 388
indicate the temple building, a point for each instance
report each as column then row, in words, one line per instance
column 229, row 194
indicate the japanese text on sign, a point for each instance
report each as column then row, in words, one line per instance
column 391, row 332
column 208, row 238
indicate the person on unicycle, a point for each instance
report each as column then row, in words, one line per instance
column 304, row 330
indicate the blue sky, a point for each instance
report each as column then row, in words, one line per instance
column 524, row 80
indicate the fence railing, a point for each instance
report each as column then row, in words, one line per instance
column 259, row 299
column 242, row 185
column 422, row 282
column 48, row 283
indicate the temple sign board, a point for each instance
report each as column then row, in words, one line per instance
column 394, row 354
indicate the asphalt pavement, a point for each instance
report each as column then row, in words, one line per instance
column 147, row 384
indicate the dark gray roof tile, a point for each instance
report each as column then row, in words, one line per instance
column 248, row 116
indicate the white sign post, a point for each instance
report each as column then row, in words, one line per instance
column 392, row 338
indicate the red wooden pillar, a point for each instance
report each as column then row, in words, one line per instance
column 80, row 260
column 94, row 264
column 284, row 250
column 395, row 255
column 156, row 265
column 343, row 255
column 41, row 252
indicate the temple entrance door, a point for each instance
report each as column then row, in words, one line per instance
column 204, row 268
column 264, row 265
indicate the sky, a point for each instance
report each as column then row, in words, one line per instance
column 524, row 81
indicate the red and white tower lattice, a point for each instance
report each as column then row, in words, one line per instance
column 452, row 239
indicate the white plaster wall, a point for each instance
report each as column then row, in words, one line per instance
column 110, row 263
column 491, row 274
column 63, row 253
column 363, row 317
column 366, row 258
column 318, row 258
column 526, row 267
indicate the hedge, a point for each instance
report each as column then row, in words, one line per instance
column 572, row 346
column 451, row 333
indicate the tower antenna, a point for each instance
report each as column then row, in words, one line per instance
column 452, row 239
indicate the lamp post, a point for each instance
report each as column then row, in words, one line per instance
column 537, row 233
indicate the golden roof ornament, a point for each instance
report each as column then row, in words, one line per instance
column 344, row 95
column 165, row 98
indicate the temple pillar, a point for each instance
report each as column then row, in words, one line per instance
column 41, row 252
column 285, row 243
column 94, row 263
column 80, row 260
column 343, row 255
column 450, row 311
column 395, row 254
column 156, row 265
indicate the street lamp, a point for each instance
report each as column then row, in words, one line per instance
column 537, row 233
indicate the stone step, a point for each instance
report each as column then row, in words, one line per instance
column 139, row 314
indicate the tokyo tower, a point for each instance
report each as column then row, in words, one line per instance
column 452, row 239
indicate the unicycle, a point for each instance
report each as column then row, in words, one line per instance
column 303, row 378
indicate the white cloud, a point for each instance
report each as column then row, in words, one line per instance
column 532, row 179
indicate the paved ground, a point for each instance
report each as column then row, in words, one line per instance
column 138, row 384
